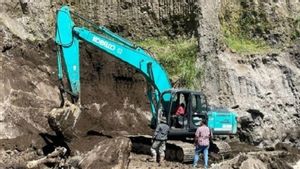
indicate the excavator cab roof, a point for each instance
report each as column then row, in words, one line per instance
column 182, row 90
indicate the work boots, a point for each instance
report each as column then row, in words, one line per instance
column 152, row 159
column 162, row 161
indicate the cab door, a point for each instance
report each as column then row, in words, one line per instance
column 198, row 110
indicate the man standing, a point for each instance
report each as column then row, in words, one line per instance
column 159, row 141
column 202, row 137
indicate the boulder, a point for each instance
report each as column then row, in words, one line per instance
column 110, row 153
column 253, row 163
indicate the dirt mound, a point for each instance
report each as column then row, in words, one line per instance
column 113, row 97
column 28, row 91
column 110, row 153
column 113, row 94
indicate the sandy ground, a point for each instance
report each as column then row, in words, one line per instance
column 141, row 161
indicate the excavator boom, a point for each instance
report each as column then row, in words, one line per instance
column 68, row 36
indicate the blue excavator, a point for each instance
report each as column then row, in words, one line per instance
column 162, row 97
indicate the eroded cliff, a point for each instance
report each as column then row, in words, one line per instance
column 262, row 86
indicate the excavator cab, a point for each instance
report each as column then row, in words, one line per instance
column 195, row 109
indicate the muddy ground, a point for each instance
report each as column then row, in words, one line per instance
column 113, row 98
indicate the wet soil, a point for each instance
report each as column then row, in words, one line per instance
column 112, row 96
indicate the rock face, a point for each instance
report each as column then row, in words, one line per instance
column 209, row 27
column 263, row 89
column 24, row 24
column 130, row 18
column 16, row 159
column 276, row 22
column 27, row 91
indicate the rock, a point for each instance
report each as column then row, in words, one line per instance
column 266, row 85
column 271, row 19
column 74, row 161
column 138, row 19
column 241, row 159
column 22, row 110
column 209, row 27
column 297, row 165
column 252, row 163
column 110, row 153
column 54, row 157
column 266, row 104
column 255, row 113
column 261, row 160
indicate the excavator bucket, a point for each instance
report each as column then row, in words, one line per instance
column 63, row 120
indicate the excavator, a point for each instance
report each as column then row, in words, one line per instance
column 162, row 97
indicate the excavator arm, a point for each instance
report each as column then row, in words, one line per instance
column 67, row 38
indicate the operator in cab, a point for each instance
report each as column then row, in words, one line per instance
column 178, row 118
column 180, row 110
column 160, row 138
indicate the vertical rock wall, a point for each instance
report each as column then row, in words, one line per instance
column 142, row 18
column 209, row 27
column 131, row 18
column 263, row 89
column 27, row 90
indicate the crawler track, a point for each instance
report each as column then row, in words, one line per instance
column 177, row 150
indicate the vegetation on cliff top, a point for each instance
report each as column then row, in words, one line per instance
column 178, row 56
column 244, row 45
column 246, row 28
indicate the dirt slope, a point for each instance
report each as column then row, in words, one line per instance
column 113, row 98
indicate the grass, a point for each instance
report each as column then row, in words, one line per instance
column 178, row 57
column 244, row 45
column 239, row 24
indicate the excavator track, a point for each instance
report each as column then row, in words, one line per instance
column 177, row 150
column 180, row 151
